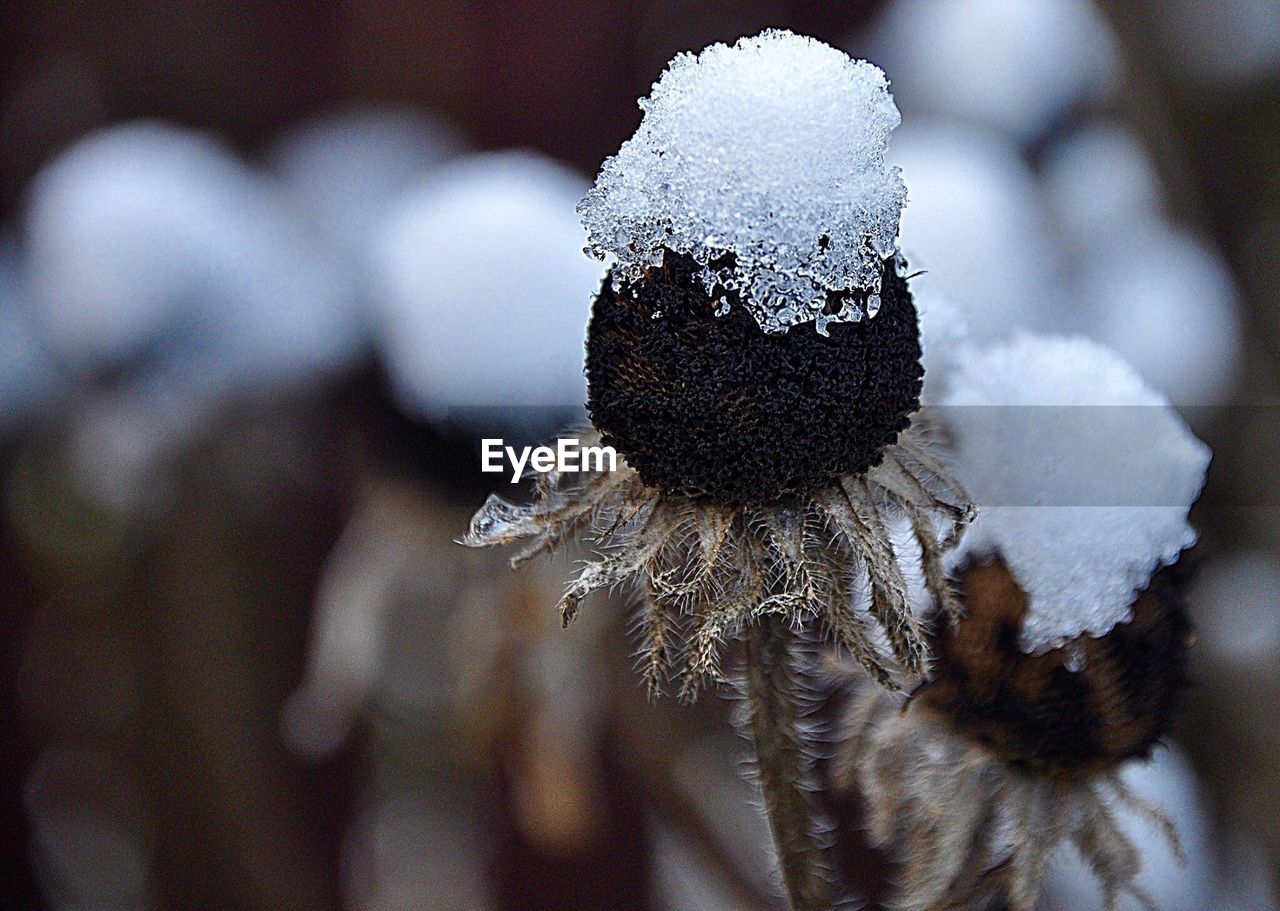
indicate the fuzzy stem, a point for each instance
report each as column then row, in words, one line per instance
column 782, row 764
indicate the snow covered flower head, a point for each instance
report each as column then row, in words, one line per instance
column 1107, row 467
column 1071, row 651
column 765, row 163
column 760, row 454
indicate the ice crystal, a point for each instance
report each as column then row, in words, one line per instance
column 765, row 162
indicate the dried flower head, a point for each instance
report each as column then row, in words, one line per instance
column 1012, row 743
column 770, row 415
column 1002, row 756
column 762, row 455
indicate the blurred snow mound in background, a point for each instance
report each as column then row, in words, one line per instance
column 482, row 287
column 1154, row 291
column 163, row 267
column 1167, row 302
column 1083, row 247
column 976, row 227
column 943, row 334
column 147, row 233
column 1015, row 65
column 1100, row 181
column 345, row 169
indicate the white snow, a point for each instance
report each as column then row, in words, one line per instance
column 148, row 232
column 976, row 226
column 1082, row 473
column 1015, row 65
column 154, row 250
column 771, row 150
column 1155, row 292
column 943, row 335
column 1100, row 181
column 1167, row 302
column 483, row 288
column 346, row 168
column 114, row 226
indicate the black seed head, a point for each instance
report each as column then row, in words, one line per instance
column 1036, row 713
column 712, row 406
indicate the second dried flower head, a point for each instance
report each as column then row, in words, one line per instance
column 1072, row 650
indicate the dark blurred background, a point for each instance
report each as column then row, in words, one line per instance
column 242, row 665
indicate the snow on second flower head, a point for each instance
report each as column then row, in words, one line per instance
column 765, row 162
column 1082, row 473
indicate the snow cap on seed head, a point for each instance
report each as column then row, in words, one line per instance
column 773, row 151
column 1083, row 476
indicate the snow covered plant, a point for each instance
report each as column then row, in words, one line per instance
column 1071, row 649
column 754, row 357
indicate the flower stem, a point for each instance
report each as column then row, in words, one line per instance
column 782, row 762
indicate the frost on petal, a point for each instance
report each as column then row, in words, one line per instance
column 483, row 289
column 765, row 162
column 1082, row 473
